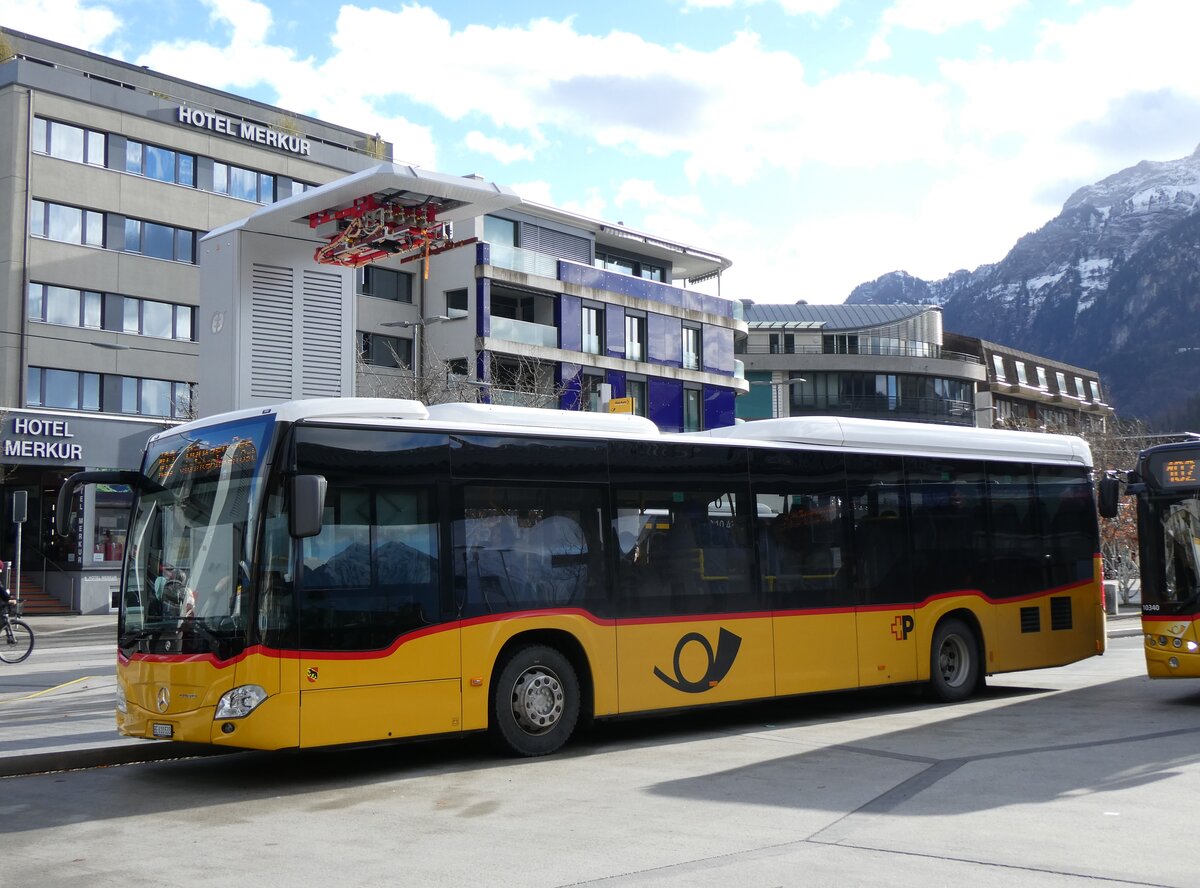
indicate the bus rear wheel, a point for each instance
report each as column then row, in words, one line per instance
column 535, row 701
column 954, row 662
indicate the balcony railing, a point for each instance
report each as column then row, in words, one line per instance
column 524, row 261
column 524, row 331
column 926, row 409
column 908, row 350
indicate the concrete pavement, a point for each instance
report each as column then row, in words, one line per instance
column 56, row 708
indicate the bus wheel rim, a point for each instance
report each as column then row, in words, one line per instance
column 537, row 700
column 954, row 661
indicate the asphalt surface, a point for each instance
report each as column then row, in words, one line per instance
column 56, row 708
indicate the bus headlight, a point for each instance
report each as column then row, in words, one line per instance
column 1192, row 647
column 122, row 706
column 240, row 702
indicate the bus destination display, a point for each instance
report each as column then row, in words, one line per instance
column 1177, row 469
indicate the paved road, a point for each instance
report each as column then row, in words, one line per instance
column 1059, row 778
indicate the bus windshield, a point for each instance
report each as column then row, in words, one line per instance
column 1181, row 550
column 190, row 541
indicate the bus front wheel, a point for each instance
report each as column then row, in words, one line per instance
column 535, row 701
column 954, row 662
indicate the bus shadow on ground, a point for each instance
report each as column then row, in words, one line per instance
column 1037, row 748
column 1119, row 722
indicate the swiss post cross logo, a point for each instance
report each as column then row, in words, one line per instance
column 901, row 626
column 719, row 663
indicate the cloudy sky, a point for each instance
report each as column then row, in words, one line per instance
column 817, row 143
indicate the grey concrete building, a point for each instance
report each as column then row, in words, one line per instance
column 109, row 175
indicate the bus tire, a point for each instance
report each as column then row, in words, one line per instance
column 535, row 701
column 954, row 662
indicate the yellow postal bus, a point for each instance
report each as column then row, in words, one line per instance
column 354, row 570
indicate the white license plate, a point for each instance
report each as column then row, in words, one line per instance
column 164, row 731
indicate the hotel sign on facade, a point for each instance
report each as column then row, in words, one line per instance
column 33, row 438
column 244, row 129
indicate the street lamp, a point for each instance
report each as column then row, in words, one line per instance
column 418, row 323
column 418, row 357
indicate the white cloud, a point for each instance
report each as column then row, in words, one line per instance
column 503, row 151
column 791, row 7
column 939, row 16
column 330, row 91
column 87, row 26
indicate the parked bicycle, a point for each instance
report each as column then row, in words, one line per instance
column 16, row 638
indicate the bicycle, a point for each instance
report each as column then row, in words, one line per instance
column 16, row 638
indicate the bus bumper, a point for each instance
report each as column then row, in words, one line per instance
column 274, row 724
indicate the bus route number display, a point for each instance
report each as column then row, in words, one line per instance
column 1177, row 469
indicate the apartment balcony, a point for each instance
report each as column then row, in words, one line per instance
column 544, row 265
column 907, row 350
column 939, row 410
column 525, row 332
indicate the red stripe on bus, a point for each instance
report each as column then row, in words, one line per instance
column 290, row 654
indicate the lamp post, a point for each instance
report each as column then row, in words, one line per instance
column 418, row 357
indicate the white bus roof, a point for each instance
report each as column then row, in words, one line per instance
column 861, row 435
column 915, row 438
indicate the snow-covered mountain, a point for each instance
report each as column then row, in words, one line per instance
column 1111, row 283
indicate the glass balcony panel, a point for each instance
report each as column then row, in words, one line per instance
column 524, row 331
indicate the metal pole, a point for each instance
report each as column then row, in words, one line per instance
column 17, row 585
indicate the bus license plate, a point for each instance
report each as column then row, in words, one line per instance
column 165, row 732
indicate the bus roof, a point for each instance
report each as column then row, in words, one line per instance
column 865, row 435
column 911, row 438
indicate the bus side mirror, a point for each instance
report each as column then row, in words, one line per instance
column 1110, row 495
column 308, row 505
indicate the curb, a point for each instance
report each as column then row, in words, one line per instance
column 133, row 753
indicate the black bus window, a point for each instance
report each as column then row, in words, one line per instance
column 521, row 548
column 697, row 554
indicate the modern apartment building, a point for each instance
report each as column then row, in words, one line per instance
column 896, row 362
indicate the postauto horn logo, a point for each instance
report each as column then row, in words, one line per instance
column 719, row 663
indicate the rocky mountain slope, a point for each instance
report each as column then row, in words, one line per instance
column 1112, row 283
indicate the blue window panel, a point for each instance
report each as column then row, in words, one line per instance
column 666, row 404
column 718, row 349
column 483, row 305
column 718, row 407
column 570, row 323
column 664, row 340
column 616, row 379
column 614, row 331
column 570, row 379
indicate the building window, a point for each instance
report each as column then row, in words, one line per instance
column 456, row 303
column 998, row 366
column 146, row 317
column 1021, row 374
column 154, row 397
column 1041, row 376
column 636, row 389
column 71, row 225
column 589, row 392
column 635, row 337
column 632, row 267
column 691, row 410
column 158, row 163
column 782, row 343
column 66, row 389
column 457, row 366
column 385, row 283
column 691, row 348
column 1061, row 379
column 840, row 344
column 160, row 241
column 499, row 232
column 593, row 330
column 68, row 142
column 66, row 306
column 1079, row 390
column 242, row 183
column 385, row 351
column 1095, row 388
